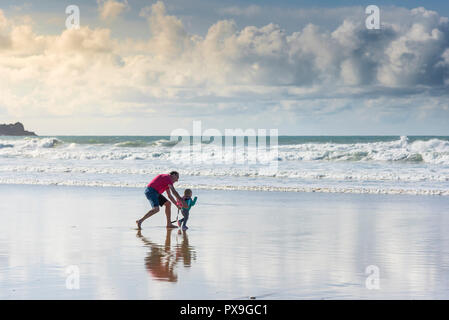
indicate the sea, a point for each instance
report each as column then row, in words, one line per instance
column 348, row 164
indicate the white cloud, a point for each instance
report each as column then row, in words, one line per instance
column 3, row 21
column 111, row 9
column 4, row 40
column 445, row 57
column 168, row 39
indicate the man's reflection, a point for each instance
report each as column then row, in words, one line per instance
column 161, row 260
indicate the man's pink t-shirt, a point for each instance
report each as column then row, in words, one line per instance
column 160, row 183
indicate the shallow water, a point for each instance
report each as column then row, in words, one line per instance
column 270, row 245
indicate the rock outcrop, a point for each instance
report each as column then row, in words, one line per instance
column 15, row 129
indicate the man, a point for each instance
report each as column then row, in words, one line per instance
column 160, row 184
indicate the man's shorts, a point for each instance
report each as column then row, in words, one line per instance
column 156, row 199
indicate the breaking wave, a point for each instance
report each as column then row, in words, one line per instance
column 433, row 151
column 337, row 164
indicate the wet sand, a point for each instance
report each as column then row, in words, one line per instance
column 268, row 245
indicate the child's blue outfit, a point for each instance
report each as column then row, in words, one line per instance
column 185, row 212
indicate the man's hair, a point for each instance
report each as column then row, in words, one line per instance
column 174, row 173
column 186, row 191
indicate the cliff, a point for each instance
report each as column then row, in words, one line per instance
column 15, row 129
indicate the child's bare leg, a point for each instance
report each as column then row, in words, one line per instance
column 186, row 217
column 149, row 214
column 168, row 214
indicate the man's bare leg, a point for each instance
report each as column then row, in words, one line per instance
column 168, row 215
column 149, row 214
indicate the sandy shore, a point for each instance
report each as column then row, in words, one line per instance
column 272, row 245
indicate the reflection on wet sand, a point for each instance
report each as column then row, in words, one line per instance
column 162, row 260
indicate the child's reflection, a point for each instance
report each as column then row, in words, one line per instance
column 161, row 260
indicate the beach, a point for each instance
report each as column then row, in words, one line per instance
column 240, row 244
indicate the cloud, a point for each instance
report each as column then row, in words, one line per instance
column 4, row 41
column 237, row 70
column 111, row 9
column 3, row 21
column 169, row 39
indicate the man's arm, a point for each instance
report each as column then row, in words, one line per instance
column 171, row 197
column 184, row 205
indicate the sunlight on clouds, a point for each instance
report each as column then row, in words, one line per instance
column 89, row 71
column 3, row 21
column 111, row 9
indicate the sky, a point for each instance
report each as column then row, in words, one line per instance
column 136, row 67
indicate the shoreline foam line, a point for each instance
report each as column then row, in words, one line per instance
column 346, row 190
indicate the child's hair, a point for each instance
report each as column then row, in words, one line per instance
column 187, row 192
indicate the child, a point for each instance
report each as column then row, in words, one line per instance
column 185, row 210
